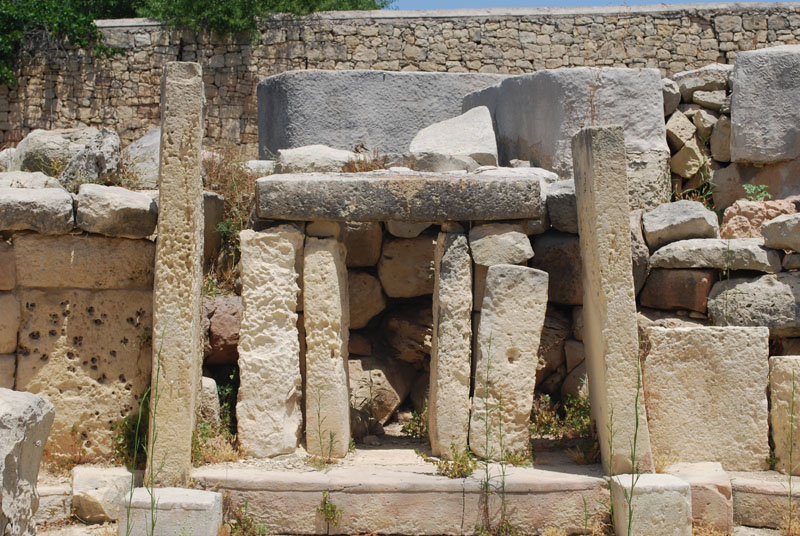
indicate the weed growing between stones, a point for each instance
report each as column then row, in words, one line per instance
column 240, row 521
column 212, row 444
column 417, row 426
column 61, row 463
column 364, row 162
column 461, row 465
column 325, row 438
column 756, row 192
column 330, row 512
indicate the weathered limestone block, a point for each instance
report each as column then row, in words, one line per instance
column 141, row 158
column 540, row 129
column 704, row 121
column 402, row 229
column 688, row 161
column 379, row 384
column 574, row 353
column 712, row 497
column 575, row 383
column 499, row 243
column 9, row 322
column 366, row 298
column 270, row 391
column 713, row 100
column 782, row 232
column 406, row 266
column 791, row 261
column 609, row 305
column 765, row 105
column 780, row 179
column 505, row 376
column 100, row 494
column 719, row 253
column 28, row 179
column 662, row 504
column 672, row 95
column 448, row 407
column 96, row 160
column 55, row 504
column 89, row 262
column 177, row 293
column 208, row 408
column 403, row 196
column 222, row 315
column 640, row 253
column 177, row 511
column 561, row 206
column 8, row 271
column 6, row 156
column 705, row 389
column 259, row 167
column 25, row 421
column 680, row 220
column 721, row 140
column 442, row 163
column 555, row 332
column 47, row 150
column 784, row 383
column 712, row 77
column 559, row 255
column 88, row 352
column 680, row 130
column 760, row 499
column 470, row 134
column 115, row 211
column 327, row 322
column 744, row 218
column 769, row 300
column 363, row 241
column 8, row 367
column 408, row 331
column 312, row 158
column 678, row 289
column 44, row 210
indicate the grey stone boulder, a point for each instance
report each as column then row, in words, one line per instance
column 312, row 158
column 791, row 261
column 259, row 167
column 535, row 116
column 379, row 384
column 98, row 159
column 680, row 220
column 142, row 158
column 719, row 253
column 470, row 134
column 771, row 300
column 49, row 151
column 713, row 100
column 765, row 105
column 499, row 243
column 782, row 232
column 672, row 95
column 44, row 210
column 708, row 78
column 27, row 179
column 6, row 157
column 115, row 211
column 562, row 206
column 25, row 421
column 381, row 110
column 705, row 120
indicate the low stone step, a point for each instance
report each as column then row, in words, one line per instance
column 761, row 499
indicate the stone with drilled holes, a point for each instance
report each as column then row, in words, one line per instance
column 661, row 504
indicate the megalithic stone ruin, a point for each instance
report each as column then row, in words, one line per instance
column 177, row 338
column 610, row 333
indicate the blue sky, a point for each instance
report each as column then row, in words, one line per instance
column 459, row 4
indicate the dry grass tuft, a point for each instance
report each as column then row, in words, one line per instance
column 706, row 530
column 365, row 162
column 210, row 445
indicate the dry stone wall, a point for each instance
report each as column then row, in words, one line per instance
column 122, row 92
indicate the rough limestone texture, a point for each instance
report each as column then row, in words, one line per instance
column 100, row 494
column 688, row 161
column 470, row 134
column 402, row 229
column 779, row 178
column 89, row 353
column 719, row 253
column 610, row 334
column 680, row 220
column 561, row 207
column 448, row 406
column 510, row 328
column 720, row 142
column 27, row 179
column 25, row 421
column 705, row 389
column 408, row 331
column 9, row 322
column 640, row 253
column 784, row 383
column 499, row 243
column 45, row 150
column 142, row 158
column 379, row 384
column 680, row 130
column 366, row 298
column 540, row 129
column 672, row 95
column 363, row 241
column 678, row 289
column 711, row 77
column 559, row 255
column 115, row 211
column 177, row 511
column 744, row 218
column 177, row 296
column 782, row 232
column 765, row 105
column 268, row 409
column 662, row 504
column 326, row 317
column 404, row 196
column 770, row 300
column 406, row 266
column 357, row 104
column 96, row 160
column 312, row 158
column 8, row 368
column 44, row 210
column 208, row 408
column 712, row 496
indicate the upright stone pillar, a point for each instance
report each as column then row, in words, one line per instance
column 177, row 340
column 268, row 412
column 448, row 400
column 509, row 332
column 326, row 313
column 610, row 333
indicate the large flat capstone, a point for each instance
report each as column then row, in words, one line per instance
column 410, row 196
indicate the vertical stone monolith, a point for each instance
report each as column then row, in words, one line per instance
column 268, row 413
column 509, row 332
column 326, row 316
column 177, row 339
column 610, row 333
column 448, row 399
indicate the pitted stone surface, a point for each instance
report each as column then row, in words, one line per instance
column 410, row 196
column 366, row 298
column 499, row 243
column 44, row 210
column 115, row 211
column 406, row 266
column 705, row 390
column 268, row 409
column 719, row 253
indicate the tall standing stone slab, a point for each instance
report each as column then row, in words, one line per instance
column 268, row 410
column 326, row 315
column 610, row 333
column 509, row 332
column 178, row 348
column 448, row 406
column 784, row 384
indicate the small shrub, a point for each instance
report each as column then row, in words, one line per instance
column 128, row 446
column 212, row 445
column 548, row 422
column 329, row 511
column 756, row 192
column 461, row 466
column 417, row 426
column 241, row 522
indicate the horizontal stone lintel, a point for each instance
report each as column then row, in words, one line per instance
column 410, row 197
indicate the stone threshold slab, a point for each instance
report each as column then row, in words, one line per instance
column 409, row 499
column 400, row 196
column 761, row 499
